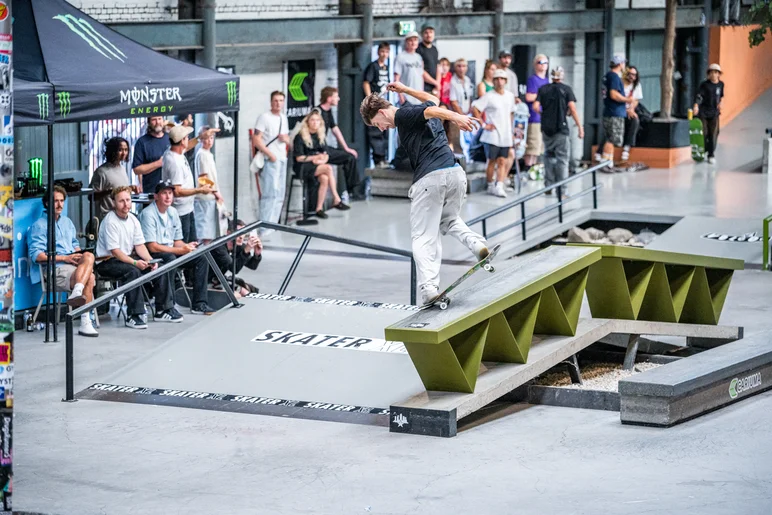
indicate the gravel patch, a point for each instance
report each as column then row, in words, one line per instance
column 596, row 376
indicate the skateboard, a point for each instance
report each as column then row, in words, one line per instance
column 630, row 167
column 443, row 300
column 520, row 128
column 696, row 138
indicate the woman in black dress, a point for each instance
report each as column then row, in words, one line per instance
column 311, row 161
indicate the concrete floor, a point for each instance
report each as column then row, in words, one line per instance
column 94, row 457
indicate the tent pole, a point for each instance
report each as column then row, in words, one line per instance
column 51, row 258
column 236, row 136
column 209, row 54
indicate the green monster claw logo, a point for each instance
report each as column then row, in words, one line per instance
column 64, row 103
column 36, row 169
column 43, row 105
column 94, row 39
column 296, row 87
column 233, row 93
column 733, row 388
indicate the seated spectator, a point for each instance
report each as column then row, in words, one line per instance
column 206, row 204
column 122, row 256
column 248, row 254
column 110, row 175
column 74, row 269
column 311, row 160
column 634, row 93
column 162, row 230
column 486, row 84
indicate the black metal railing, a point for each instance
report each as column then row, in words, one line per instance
column 557, row 187
column 205, row 252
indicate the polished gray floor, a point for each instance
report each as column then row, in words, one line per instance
column 94, row 457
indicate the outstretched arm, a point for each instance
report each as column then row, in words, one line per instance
column 423, row 96
column 465, row 123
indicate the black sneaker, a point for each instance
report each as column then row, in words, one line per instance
column 202, row 308
column 342, row 206
column 136, row 322
column 321, row 214
column 170, row 315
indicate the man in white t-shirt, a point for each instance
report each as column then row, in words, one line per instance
column 122, row 255
column 409, row 68
column 461, row 88
column 499, row 108
column 271, row 138
column 177, row 171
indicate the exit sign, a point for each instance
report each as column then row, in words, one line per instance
column 405, row 27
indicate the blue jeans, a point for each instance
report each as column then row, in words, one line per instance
column 273, row 183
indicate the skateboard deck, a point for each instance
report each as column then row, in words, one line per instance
column 442, row 299
column 626, row 166
column 217, row 299
column 697, row 139
column 521, row 129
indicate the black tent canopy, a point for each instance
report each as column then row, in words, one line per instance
column 68, row 67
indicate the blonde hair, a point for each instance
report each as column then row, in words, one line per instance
column 305, row 133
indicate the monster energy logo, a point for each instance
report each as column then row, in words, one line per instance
column 64, row 103
column 232, row 92
column 94, row 39
column 36, row 169
column 296, row 87
column 43, row 105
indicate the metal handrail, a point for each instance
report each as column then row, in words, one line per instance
column 205, row 252
column 558, row 205
column 765, row 241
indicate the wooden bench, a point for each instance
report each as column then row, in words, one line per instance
column 691, row 387
column 495, row 319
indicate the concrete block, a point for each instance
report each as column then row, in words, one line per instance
column 766, row 161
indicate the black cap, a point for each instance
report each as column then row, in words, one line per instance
column 164, row 185
column 427, row 26
column 504, row 53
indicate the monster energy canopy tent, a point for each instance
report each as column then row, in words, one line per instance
column 99, row 74
column 32, row 103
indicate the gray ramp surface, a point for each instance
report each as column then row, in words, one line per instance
column 219, row 356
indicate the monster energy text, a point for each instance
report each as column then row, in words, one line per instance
column 43, row 105
column 232, row 92
column 64, row 103
column 148, row 95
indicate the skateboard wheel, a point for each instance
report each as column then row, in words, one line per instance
column 444, row 305
column 489, row 268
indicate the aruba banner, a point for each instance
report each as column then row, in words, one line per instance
column 301, row 76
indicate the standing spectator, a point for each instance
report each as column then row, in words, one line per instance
column 186, row 120
column 312, row 160
column 429, row 53
column 162, row 230
column 634, row 94
column 461, row 89
column 409, row 68
column 534, row 146
column 205, row 205
column 708, row 107
column 122, row 255
column 486, row 84
column 148, row 151
column 499, row 108
column 445, row 76
column 177, row 171
column 74, row 269
column 375, row 81
column 614, row 110
column 344, row 156
column 554, row 102
column 505, row 63
column 271, row 137
column 110, row 175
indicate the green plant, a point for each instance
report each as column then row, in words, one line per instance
column 760, row 14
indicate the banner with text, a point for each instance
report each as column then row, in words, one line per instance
column 301, row 77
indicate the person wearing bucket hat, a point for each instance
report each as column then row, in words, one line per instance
column 498, row 136
column 707, row 106
column 409, row 68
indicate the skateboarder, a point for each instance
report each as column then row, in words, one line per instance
column 708, row 107
column 439, row 184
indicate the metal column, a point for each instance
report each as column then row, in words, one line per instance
column 209, row 53
column 498, row 26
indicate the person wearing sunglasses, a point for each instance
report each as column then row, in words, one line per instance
column 634, row 94
column 534, row 146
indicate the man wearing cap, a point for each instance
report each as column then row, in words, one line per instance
column 177, row 171
column 505, row 63
column 431, row 56
column 554, row 102
column 614, row 109
column 707, row 106
column 534, row 146
column 499, row 108
column 122, row 255
column 409, row 68
column 162, row 229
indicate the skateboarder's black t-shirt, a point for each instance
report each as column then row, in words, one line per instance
column 708, row 97
column 554, row 99
column 424, row 140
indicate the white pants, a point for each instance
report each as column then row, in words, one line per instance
column 273, row 181
column 436, row 201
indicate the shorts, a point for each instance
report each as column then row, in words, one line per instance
column 493, row 152
column 614, row 127
column 63, row 274
column 534, row 146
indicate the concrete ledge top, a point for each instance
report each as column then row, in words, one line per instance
column 663, row 256
column 704, row 369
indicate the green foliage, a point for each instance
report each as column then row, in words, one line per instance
column 760, row 14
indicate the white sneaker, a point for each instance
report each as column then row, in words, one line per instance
column 491, row 188
column 598, row 158
column 711, row 160
column 344, row 197
column 499, row 190
column 625, row 155
column 86, row 327
column 76, row 298
column 480, row 250
column 429, row 292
